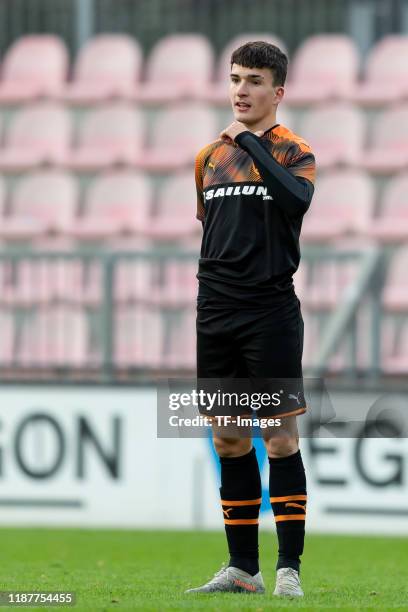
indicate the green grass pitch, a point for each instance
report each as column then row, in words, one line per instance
column 149, row 570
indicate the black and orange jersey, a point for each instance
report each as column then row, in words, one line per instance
column 251, row 198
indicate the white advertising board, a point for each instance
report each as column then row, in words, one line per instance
column 90, row 456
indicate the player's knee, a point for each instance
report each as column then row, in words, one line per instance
column 281, row 447
column 232, row 447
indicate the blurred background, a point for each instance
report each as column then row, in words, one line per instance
column 103, row 107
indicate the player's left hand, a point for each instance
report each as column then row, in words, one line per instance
column 231, row 132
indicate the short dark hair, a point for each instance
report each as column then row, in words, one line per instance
column 260, row 54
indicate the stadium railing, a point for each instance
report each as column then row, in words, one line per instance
column 130, row 316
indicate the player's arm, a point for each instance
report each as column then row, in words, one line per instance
column 290, row 192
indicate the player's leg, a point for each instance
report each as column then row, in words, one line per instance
column 240, row 490
column 287, row 490
column 274, row 351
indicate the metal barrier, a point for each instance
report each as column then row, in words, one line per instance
column 131, row 316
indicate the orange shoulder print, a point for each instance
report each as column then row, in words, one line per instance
column 200, row 162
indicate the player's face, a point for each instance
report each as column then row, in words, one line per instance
column 252, row 93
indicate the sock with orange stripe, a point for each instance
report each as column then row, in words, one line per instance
column 287, row 490
column 241, row 494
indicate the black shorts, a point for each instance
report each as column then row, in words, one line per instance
column 263, row 347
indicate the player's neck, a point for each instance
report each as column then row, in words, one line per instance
column 263, row 125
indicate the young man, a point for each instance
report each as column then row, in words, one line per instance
column 254, row 184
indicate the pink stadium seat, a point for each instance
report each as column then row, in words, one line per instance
column 108, row 136
column 40, row 281
column 54, row 337
column 138, row 337
column 42, row 203
column 180, row 286
column 38, row 135
column 388, row 152
column 324, row 67
column 392, row 224
column 181, row 348
column 3, row 197
column 328, row 283
column 178, row 133
column 7, row 338
column 386, row 73
column 173, row 217
column 133, row 281
column 34, row 66
column 343, row 204
column 180, row 66
column 336, row 134
column 108, row 66
column 218, row 92
column 395, row 292
column 117, row 203
column 54, row 279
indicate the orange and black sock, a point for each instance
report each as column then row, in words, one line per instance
column 287, row 490
column 241, row 499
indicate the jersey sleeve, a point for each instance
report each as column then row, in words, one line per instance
column 199, row 167
column 302, row 163
column 290, row 192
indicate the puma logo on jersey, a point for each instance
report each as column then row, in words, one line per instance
column 222, row 192
column 211, row 165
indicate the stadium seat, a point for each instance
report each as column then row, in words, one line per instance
column 342, row 205
column 173, row 218
column 109, row 136
column 7, row 337
column 134, row 281
column 179, row 286
column 180, row 352
column 385, row 74
column 138, row 337
column 336, row 134
column 180, row 66
column 395, row 292
column 388, row 150
column 42, row 203
column 391, row 226
column 116, row 203
column 38, row 135
column 35, row 280
column 54, row 337
column 324, row 67
column 34, row 66
column 108, row 66
column 217, row 93
column 3, row 199
column 177, row 134
column 328, row 282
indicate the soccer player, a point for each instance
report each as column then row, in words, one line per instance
column 254, row 184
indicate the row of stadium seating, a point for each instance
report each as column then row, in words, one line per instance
column 183, row 66
column 173, row 284
column 129, row 203
column 162, row 336
column 338, row 134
